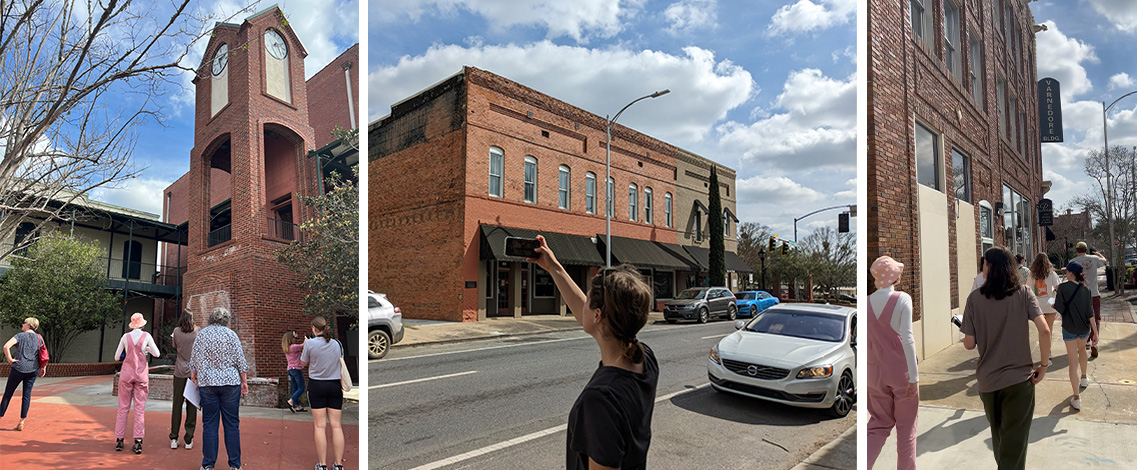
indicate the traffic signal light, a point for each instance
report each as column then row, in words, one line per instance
column 773, row 244
column 785, row 248
column 843, row 222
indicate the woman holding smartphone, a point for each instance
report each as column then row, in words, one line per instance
column 610, row 423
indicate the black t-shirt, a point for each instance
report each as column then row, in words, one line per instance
column 611, row 419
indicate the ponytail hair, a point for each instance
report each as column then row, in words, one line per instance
column 323, row 328
column 624, row 300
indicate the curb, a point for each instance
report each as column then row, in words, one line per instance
column 809, row 462
column 479, row 338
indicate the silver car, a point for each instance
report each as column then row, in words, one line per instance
column 384, row 325
column 796, row 354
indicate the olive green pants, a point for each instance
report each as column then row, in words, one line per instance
column 1009, row 411
column 176, row 416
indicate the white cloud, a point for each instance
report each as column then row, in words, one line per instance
column 1064, row 59
column 1121, row 80
column 817, row 130
column 138, row 194
column 806, row 16
column 776, row 200
column 577, row 19
column 703, row 90
column 690, row 15
column 1122, row 13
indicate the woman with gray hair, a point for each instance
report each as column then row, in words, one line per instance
column 24, row 366
column 218, row 368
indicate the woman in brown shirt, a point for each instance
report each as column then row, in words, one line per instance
column 184, row 335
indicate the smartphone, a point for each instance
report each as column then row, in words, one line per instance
column 522, row 247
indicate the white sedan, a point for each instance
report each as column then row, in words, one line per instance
column 796, row 354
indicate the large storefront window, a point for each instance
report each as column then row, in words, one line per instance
column 543, row 286
column 664, row 284
column 1016, row 222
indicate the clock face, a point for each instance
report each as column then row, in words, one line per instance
column 274, row 44
column 220, row 60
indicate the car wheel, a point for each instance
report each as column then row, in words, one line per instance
column 378, row 343
column 703, row 315
column 732, row 313
column 846, row 396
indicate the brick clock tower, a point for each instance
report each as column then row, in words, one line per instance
column 251, row 138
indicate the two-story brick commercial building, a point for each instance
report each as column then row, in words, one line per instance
column 262, row 135
column 458, row 167
column 954, row 159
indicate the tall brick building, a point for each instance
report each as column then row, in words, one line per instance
column 953, row 150
column 262, row 134
column 458, row 167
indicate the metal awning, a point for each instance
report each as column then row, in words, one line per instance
column 643, row 254
column 734, row 263
column 571, row 250
column 677, row 251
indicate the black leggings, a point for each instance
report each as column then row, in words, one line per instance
column 325, row 394
column 14, row 379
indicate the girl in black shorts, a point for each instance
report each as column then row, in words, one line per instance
column 321, row 355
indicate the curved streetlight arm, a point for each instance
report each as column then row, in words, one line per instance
column 1114, row 101
column 814, row 212
column 637, row 100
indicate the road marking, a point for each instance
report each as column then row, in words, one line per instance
column 526, row 438
column 715, row 336
column 405, row 382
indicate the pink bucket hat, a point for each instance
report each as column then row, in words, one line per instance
column 136, row 321
column 886, row 271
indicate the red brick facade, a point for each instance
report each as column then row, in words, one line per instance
column 909, row 83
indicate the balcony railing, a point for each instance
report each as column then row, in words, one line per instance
column 134, row 272
column 284, row 230
column 221, row 235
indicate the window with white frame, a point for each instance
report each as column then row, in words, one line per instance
column 725, row 224
column 590, row 192
column 976, row 71
column 530, row 179
column 633, row 196
column 951, row 40
column 961, row 175
column 929, row 164
column 647, row 205
column 667, row 209
column 1016, row 222
column 921, row 20
column 986, row 226
column 497, row 161
column 610, row 201
column 563, row 187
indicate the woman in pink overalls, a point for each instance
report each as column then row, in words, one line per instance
column 894, row 391
column 134, row 381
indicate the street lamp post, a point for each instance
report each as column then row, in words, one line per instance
column 1109, row 181
column 762, row 256
column 610, row 188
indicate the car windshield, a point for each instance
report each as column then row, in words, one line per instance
column 746, row 296
column 799, row 324
column 692, row 294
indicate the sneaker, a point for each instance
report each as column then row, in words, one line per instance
column 118, row 445
column 137, row 446
column 321, row 466
column 1076, row 404
column 1085, row 383
column 173, row 443
column 336, row 466
column 206, row 468
column 189, row 445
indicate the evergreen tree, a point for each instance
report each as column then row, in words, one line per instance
column 715, row 227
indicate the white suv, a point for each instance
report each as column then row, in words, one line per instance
column 384, row 325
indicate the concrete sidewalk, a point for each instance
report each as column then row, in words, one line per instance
column 841, row 453
column 493, row 327
column 953, row 431
column 71, row 425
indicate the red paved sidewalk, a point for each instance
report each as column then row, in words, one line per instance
column 82, row 437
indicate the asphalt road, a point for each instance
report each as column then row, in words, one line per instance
column 503, row 404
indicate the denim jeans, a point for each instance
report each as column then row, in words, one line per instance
column 220, row 404
column 296, row 380
column 15, row 378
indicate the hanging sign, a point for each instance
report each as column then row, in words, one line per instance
column 1049, row 110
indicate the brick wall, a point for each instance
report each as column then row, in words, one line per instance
column 909, row 82
column 328, row 96
column 262, row 392
column 72, row 369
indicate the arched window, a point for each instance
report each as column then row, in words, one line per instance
column 633, row 195
column 647, row 204
column 590, row 192
column 667, row 209
column 497, row 162
column 530, row 179
column 563, row 187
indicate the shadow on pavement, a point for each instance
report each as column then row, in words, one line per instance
column 746, row 410
column 950, row 432
column 947, row 388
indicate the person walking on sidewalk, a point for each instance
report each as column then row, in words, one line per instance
column 292, row 347
column 23, row 367
column 1044, row 282
column 894, row 384
column 609, row 425
column 1077, row 324
column 321, row 355
column 184, row 336
column 995, row 319
column 1091, row 261
column 219, row 369
column 133, row 381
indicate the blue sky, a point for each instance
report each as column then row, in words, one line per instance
column 325, row 27
column 1088, row 47
column 767, row 88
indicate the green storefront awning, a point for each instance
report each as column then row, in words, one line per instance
column 734, row 263
column 571, row 250
column 643, row 254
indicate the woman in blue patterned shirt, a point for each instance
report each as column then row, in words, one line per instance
column 218, row 368
column 24, row 366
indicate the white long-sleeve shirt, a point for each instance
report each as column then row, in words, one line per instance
column 901, row 324
column 149, row 346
